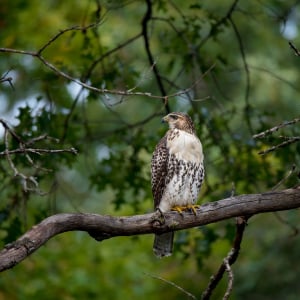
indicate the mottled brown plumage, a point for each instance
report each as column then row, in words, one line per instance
column 177, row 172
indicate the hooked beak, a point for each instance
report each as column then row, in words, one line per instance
column 165, row 119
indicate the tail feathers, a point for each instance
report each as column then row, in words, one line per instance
column 163, row 244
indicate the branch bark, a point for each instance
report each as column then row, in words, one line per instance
column 103, row 226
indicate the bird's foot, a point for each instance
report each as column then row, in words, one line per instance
column 191, row 207
column 179, row 208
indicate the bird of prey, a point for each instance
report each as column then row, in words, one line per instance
column 177, row 173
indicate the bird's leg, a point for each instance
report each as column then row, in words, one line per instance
column 159, row 217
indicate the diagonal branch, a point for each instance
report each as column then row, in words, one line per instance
column 247, row 73
column 297, row 52
column 275, row 128
column 103, row 226
column 230, row 259
column 60, row 73
column 61, row 32
column 230, row 277
column 79, row 82
column 281, row 145
column 173, row 284
column 219, row 23
column 288, row 139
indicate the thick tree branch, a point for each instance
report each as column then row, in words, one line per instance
column 102, row 226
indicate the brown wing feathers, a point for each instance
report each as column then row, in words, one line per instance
column 159, row 169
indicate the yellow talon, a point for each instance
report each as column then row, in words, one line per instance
column 179, row 209
column 193, row 207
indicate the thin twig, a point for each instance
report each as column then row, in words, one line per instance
column 297, row 52
column 290, row 172
column 295, row 230
column 281, row 145
column 4, row 78
column 276, row 76
column 230, row 276
column 108, row 53
column 67, row 76
column 173, row 284
column 41, row 138
column 277, row 215
column 6, row 152
column 288, row 139
column 243, row 54
column 61, row 32
column 187, row 90
column 25, row 179
column 83, row 84
column 11, row 132
column 222, row 21
column 128, row 92
column 39, row 151
column 29, row 183
column 232, row 189
column 275, row 128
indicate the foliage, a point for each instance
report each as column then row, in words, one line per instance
column 228, row 64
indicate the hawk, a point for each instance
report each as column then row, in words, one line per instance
column 177, row 173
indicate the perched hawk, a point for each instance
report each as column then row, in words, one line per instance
column 177, row 173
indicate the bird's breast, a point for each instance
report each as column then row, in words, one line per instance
column 185, row 146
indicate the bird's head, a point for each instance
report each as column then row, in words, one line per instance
column 180, row 121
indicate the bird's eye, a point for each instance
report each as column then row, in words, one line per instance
column 174, row 117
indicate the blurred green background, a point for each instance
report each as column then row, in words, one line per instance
column 242, row 78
